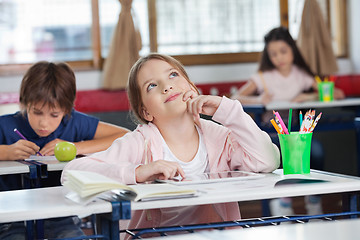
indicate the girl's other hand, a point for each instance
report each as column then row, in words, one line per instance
column 204, row 104
column 48, row 149
column 304, row 97
column 22, row 149
column 265, row 98
column 159, row 169
column 339, row 94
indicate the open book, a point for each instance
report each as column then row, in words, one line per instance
column 86, row 186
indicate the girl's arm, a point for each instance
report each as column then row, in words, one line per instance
column 246, row 94
column 124, row 162
column 311, row 96
column 118, row 162
column 255, row 152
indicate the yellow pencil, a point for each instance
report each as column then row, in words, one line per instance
column 317, row 78
column 275, row 126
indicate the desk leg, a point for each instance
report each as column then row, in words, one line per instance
column 265, row 207
column 110, row 222
column 350, row 203
column 40, row 229
column 29, row 230
column 31, row 179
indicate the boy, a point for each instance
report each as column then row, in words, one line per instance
column 47, row 96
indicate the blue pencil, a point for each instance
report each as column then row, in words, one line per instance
column 300, row 118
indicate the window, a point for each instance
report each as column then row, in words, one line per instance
column 195, row 31
column 42, row 29
column 212, row 26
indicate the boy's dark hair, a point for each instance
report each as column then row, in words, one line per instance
column 276, row 34
column 49, row 83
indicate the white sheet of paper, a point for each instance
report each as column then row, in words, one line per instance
column 40, row 158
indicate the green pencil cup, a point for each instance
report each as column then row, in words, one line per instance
column 295, row 152
column 326, row 91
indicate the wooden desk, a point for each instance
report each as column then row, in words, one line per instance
column 35, row 204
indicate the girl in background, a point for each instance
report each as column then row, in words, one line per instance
column 284, row 76
column 172, row 140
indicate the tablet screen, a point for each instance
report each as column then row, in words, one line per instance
column 214, row 177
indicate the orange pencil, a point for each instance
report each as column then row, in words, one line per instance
column 275, row 126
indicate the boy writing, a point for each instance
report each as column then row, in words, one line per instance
column 47, row 96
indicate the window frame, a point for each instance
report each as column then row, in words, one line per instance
column 96, row 63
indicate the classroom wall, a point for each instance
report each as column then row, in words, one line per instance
column 354, row 33
column 225, row 72
column 87, row 80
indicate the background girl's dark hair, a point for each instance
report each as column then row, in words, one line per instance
column 133, row 89
column 52, row 84
column 276, row 34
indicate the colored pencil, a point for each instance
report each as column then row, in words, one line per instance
column 275, row 126
column 289, row 120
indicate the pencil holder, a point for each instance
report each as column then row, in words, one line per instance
column 326, row 91
column 295, row 152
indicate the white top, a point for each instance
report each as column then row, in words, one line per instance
column 198, row 165
column 281, row 87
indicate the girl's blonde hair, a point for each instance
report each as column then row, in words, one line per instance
column 133, row 88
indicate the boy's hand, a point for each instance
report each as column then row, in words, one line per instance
column 22, row 149
column 48, row 149
column 159, row 169
column 205, row 104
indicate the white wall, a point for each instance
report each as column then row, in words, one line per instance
column 87, row 80
column 354, row 33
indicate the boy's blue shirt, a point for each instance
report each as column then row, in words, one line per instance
column 76, row 128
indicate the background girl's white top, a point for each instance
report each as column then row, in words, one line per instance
column 284, row 88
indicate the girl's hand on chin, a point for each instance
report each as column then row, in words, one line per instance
column 204, row 104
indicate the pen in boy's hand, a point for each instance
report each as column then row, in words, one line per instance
column 22, row 136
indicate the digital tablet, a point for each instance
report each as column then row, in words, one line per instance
column 214, row 177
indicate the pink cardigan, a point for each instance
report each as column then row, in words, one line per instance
column 236, row 144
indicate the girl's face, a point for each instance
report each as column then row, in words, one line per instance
column 162, row 89
column 281, row 55
column 43, row 119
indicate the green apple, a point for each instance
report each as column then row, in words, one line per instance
column 65, row 151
